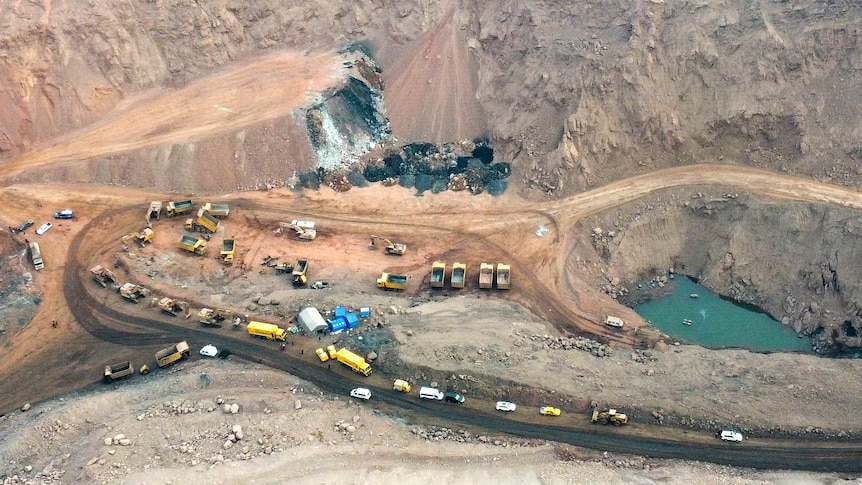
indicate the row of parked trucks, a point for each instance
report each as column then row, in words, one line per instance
column 164, row 358
column 459, row 275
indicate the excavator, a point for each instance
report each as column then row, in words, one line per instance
column 397, row 249
column 303, row 229
column 172, row 307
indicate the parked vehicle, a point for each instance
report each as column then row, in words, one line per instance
column 172, row 354
column 392, row 282
column 209, row 351
column 25, row 225
column 44, row 228
column 609, row 416
column 36, row 255
column 176, row 208
column 401, row 385
column 64, row 214
column 549, row 411
column 505, row 406
column 360, row 393
column 504, row 276
column 270, row 331
column 438, row 274
column 732, row 436
column 322, row 355
column 353, row 361
column 454, row 397
column 431, row 393
column 118, row 371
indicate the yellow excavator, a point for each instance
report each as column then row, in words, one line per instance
column 397, row 249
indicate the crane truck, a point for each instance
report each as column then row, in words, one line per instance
column 266, row 330
column 178, row 208
column 353, row 361
column 172, row 354
column 392, row 282
column 438, row 274
column 459, row 275
column 486, row 276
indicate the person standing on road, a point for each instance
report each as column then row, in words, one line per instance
column 282, row 347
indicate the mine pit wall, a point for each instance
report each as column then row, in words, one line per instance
column 796, row 261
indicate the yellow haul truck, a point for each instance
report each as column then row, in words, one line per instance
column 192, row 244
column 118, row 371
column 438, row 274
column 459, row 275
column 228, row 251
column 172, row 354
column 503, row 276
column 266, row 330
column 353, row 361
column 486, row 276
column 204, row 222
column 178, row 208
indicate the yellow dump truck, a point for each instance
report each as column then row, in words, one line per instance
column 118, row 371
column 504, row 274
column 178, row 208
column 192, row 244
column 300, row 272
column 228, row 251
column 486, row 276
column 353, row 361
column 204, row 222
column 269, row 331
column 172, row 354
column 220, row 211
column 459, row 275
column 392, row 282
column 438, row 274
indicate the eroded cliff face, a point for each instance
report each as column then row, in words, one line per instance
column 797, row 261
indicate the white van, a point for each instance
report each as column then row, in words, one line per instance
column 431, row 393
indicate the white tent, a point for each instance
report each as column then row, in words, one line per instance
column 311, row 321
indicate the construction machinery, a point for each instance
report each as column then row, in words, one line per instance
column 397, row 249
column 36, row 256
column 133, row 292
column 353, row 361
column 459, row 275
column 227, row 251
column 269, row 331
column 214, row 317
column 172, row 307
column 155, row 211
column 300, row 272
column 283, row 268
column 178, row 208
column 192, row 244
column 486, row 276
column 503, row 276
column 392, row 282
column 118, row 371
column 220, row 211
column 146, row 235
column 172, row 354
column 102, row 275
column 609, row 416
column 303, row 229
column 438, row 274
column 204, row 222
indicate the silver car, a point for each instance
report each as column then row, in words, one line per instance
column 505, row 406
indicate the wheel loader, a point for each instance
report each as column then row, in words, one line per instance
column 397, row 249
column 609, row 416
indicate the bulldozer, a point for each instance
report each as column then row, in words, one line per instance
column 102, row 275
column 143, row 237
column 397, row 249
column 214, row 318
column 303, row 229
column 133, row 292
column 172, row 307
column 609, row 416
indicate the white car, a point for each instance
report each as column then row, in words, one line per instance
column 360, row 393
column 44, row 228
column 505, row 406
column 734, row 436
column 209, row 351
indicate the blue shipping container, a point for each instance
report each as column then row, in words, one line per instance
column 352, row 320
column 340, row 311
column 337, row 325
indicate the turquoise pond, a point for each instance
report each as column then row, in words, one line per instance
column 713, row 322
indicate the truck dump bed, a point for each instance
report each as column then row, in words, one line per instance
column 117, row 371
column 486, row 275
column 392, row 281
column 192, row 244
column 503, row 276
column 459, row 274
column 438, row 274
column 172, row 354
column 217, row 210
column 227, row 251
column 179, row 207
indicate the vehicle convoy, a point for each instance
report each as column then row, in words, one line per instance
column 459, row 275
column 401, row 385
column 300, row 272
column 172, row 354
column 269, row 331
column 204, row 222
column 118, row 371
column 609, row 416
column 178, row 208
column 192, row 244
column 133, row 292
column 102, row 276
column 486, row 276
column 154, row 211
column 303, row 229
column 146, row 235
column 228, row 251
column 172, row 307
column 214, row 318
column 353, row 361
column 392, row 282
column 36, row 255
column 504, row 274
column 438, row 274
column 397, row 249
column 219, row 211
